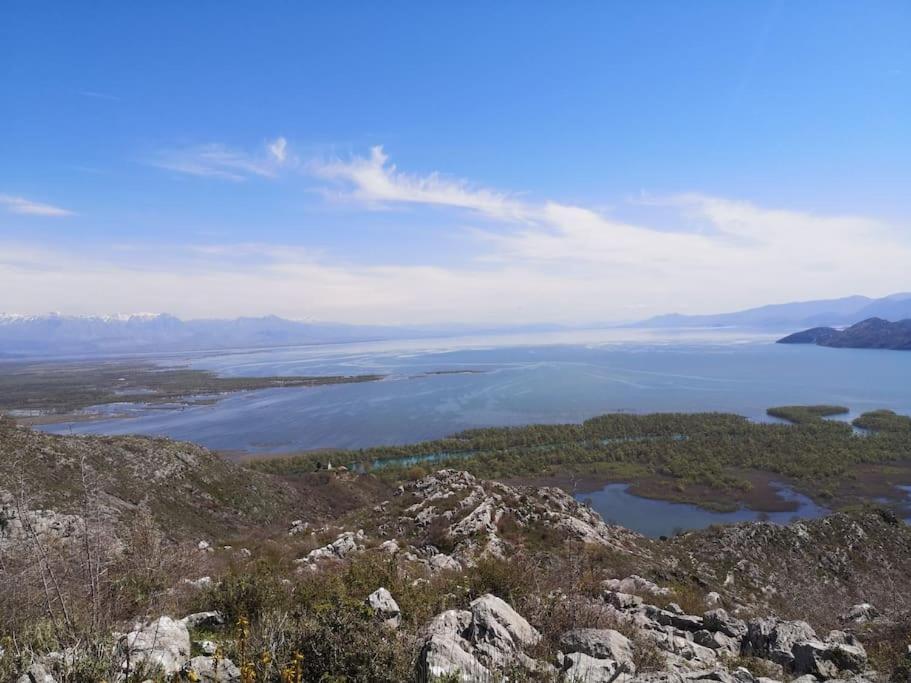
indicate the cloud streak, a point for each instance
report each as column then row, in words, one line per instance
column 375, row 181
column 26, row 207
column 216, row 160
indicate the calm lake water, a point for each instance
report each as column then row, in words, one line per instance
column 661, row 518
column 438, row 387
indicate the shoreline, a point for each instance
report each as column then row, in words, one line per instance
column 46, row 393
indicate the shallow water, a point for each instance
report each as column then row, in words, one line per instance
column 514, row 380
column 662, row 518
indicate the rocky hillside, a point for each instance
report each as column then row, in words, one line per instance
column 188, row 489
column 873, row 333
column 448, row 578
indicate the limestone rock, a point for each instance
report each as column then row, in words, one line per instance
column 497, row 631
column 36, row 673
column 828, row 660
column 772, row 638
column 581, row 667
column 719, row 620
column 163, row 643
column 213, row 669
column 636, row 584
column 860, row 614
column 600, row 644
column 382, row 603
column 203, row 620
column 346, row 543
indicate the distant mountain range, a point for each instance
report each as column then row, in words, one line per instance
column 54, row 334
column 137, row 333
column 821, row 313
column 874, row 333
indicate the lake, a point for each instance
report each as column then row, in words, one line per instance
column 438, row 387
column 662, row 518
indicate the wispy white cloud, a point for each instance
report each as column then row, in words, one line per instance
column 26, row 207
column 374, row 181
column 526, row 261
column 279, row 150
column 216, row 160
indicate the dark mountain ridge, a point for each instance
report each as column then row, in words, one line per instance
column 873, row 333
column 817, row 313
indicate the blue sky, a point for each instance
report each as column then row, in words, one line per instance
column 431, row 162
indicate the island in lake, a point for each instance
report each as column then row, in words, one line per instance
column 873, row 333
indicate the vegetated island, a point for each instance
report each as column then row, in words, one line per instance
column 873, row 333
column 44, row 392
column 718, row 461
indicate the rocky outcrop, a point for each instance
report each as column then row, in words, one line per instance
column 469, row 644
column 861, row 613
column 385, row 607
column 211, row 670
column 772, row 638
column 600, row 644
column 162, row 644
column 346, row 543
column 36, row 673
column 203, row 620
column 470, row 514
column 23, row 527
column 827, row 659
column 578, row 666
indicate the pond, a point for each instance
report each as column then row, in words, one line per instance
column 663, row 518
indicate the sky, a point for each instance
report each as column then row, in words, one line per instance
column 404, row 163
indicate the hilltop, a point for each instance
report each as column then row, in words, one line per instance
column 873, row 333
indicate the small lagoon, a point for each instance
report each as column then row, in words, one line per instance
column 663, row 518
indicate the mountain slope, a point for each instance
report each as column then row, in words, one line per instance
column 873, row 333
column 54, row 333
column 820, row 313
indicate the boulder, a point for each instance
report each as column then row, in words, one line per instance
column 446, row 653
column 345, row 544
column 444, row 657
column 36, row 673
column 719, row 620
column 828, row 660
column 600, row 644
column 635, row 584
column 203, row 620
column 442, row 562
column 860, row 614
column 391, row 547
column 718, row 641
column 622, row 601
column 772, row 638
column 298, row 526
column 163, row 643
column 497, row 631
column 467, row 644
column 579, row 667
column 384, row 606
column 213, row 670
column 684, row 652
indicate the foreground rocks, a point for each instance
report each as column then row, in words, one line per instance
column 480, row 643
column 469, row 644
